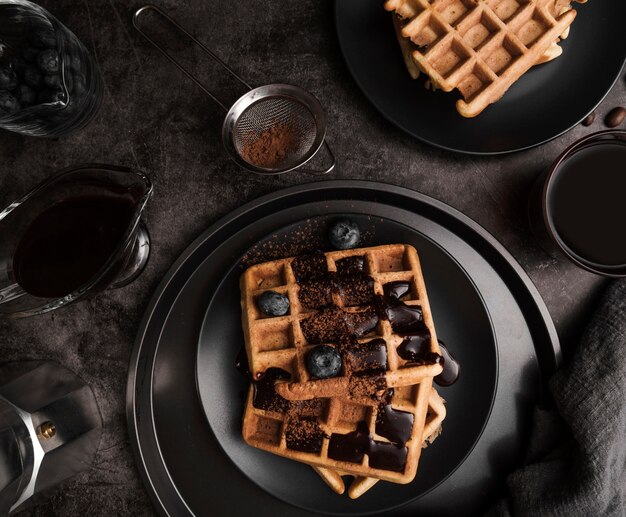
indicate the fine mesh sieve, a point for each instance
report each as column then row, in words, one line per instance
column 271, row 129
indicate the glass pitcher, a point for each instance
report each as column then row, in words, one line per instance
column 49, row 84
column 74, row 235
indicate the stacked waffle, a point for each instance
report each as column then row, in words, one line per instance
column 372, row 419
column 480, row 47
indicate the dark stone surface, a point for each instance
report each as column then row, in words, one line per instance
column 155, row 120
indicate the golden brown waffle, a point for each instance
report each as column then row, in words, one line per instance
column 279, row 342
column 434, row 417
column 481, row 47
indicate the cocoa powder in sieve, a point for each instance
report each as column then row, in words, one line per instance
column 271, row 146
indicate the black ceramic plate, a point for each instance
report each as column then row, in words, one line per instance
column 185, row 461
column 547, row 101
column 462, row 321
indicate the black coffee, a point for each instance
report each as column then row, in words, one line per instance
column 67, row 244
column 587, row 204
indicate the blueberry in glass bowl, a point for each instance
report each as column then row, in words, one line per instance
column 49, row 84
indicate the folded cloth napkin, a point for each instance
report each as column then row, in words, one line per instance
column 577, row 458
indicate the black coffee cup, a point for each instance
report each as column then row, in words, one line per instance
column 578, row 206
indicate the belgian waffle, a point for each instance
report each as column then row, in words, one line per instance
column 310, row 430
column 480, row 47
column 283, row 342
column 435, row 415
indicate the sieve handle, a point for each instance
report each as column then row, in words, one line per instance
column 206, row 50
column 328, row 169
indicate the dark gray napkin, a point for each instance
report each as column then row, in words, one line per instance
column 577, row 458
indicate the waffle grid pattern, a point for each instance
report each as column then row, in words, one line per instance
column 480, row 47
column 279, row 342
column 435, row 416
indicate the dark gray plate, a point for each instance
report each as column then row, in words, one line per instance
column 183, row 465
column 546, row 102
column 462, row 322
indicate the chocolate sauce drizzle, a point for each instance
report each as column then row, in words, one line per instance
column 351, row 447
column 451, row 367
column 393, row 424
column 265, row 396
column 415, row 348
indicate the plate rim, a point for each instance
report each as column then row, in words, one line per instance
column 134, row 373
column 455, row 150
column 465, row 455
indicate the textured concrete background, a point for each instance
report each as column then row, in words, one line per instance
column 155, row 120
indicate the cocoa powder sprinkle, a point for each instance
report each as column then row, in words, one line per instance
column 271, row 147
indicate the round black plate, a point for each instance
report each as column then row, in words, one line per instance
column 182, row 463
column 546, row 102
column 462, row 322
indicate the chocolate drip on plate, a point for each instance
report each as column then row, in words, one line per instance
column 451, row 368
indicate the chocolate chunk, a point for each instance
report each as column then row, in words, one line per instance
column 350, row 265
column 387, row 456
column 404, row 319
column 393, row 424
column 350, row 447
column 397, row 289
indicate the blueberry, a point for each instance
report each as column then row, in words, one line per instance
column 43, row 38
column 52, row 80
column 323, row 362
column 26, row 95
column 344, row 234
column 8, row 103
column 32, row 76
column 272, row 303
column 30, row 54
column 48, row 61
column 8, row 79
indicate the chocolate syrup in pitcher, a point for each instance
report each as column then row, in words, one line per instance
column 69, row 242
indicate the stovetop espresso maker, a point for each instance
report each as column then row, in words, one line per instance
column 50, row 428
